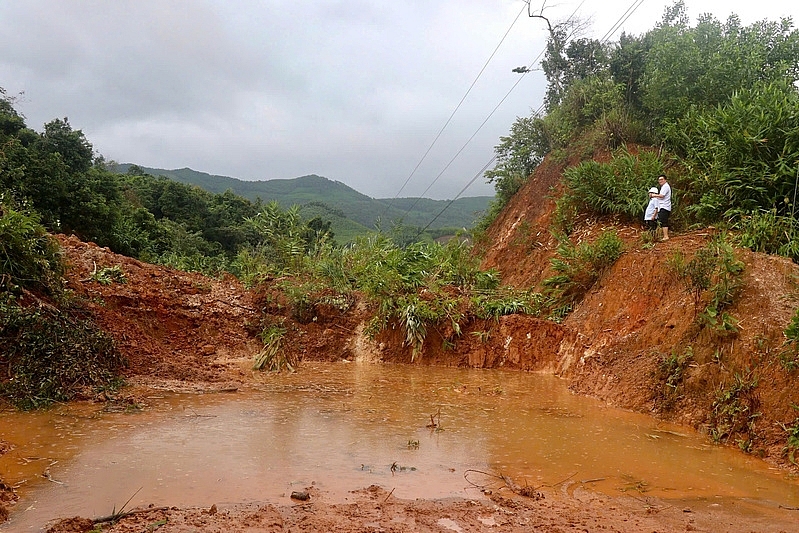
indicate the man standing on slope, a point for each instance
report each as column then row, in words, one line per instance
column 664, row 206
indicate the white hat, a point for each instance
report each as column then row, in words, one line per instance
column 654, row 190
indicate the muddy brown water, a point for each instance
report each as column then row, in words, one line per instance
column 343, row 426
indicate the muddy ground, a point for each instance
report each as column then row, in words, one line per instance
column 185, row 332
column 373, row 509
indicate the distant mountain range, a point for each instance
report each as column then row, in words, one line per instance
column 348, row 209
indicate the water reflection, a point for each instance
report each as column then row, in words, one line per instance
column 346, row 426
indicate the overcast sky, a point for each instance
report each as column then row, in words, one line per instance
column 353, row 90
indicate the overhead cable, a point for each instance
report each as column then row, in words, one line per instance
column 453, row 112
column 621, row 20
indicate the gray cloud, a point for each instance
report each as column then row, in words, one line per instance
column 354, row 90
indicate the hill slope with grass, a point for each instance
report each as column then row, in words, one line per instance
column 650, row 331
column 357, row 207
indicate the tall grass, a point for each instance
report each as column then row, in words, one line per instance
column 617, row 187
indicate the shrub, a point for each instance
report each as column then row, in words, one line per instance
column 508, row 301
column 735, row 411
column 271, row 357
column 789, row 356
column 580, row 266
column 618, row 187
column 742, row 156
column 669, row 377
column 768, row 232
column 29, row 257
column 713, row 270
column 52, row 355
column 792, row 439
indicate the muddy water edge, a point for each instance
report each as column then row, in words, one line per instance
column 420, row 432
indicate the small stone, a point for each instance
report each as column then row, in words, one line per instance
column 208, row 349
column 300, row 495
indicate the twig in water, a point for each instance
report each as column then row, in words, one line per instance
column 488, row 474
column 435, row 416
column 46, row 474
column 561, row 482
column 527, row 491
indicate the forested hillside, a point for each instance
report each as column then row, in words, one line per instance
column 337, row 197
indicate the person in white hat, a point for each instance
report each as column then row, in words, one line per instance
column 651, row 212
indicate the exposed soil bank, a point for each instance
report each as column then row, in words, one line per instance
column 186, row 332
column 641, row 311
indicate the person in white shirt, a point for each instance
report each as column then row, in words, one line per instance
column 664, row 206
column 651, row 211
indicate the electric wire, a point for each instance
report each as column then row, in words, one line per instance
column 619, row 22
column 446, row 206
column 524, row 73
column 624, row 17
column 457, row 107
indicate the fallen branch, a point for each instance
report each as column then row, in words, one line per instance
column 527, row 491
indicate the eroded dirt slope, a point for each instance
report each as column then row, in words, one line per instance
column 188, row 332
column 172, row 327
column 641, row 310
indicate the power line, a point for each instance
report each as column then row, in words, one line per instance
column 453, row 112
column 524, row 73
column 480, row 173
column 621, row 20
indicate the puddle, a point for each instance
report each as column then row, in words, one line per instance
column 342, row 427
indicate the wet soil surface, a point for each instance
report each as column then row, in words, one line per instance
column 184, row 332
column 374, row 509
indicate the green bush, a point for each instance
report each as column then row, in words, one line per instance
column 716, row 272
column 52, row 355
column 789, row 356
column 271, row 357
column 768, row 232
column 578, row 267
column 669, row 377
column 29, row 257
column 741, row 156
column 618, row 187
column 509, row 301
column 735, row 411
column 792, row 438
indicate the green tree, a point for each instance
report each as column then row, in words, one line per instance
column 518, row 154
column 71, row 145
column 703, row 66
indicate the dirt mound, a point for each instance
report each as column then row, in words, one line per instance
column 170, row 326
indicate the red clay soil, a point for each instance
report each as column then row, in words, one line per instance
column 187, row 332
column 641, row 310
column 373, row 509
